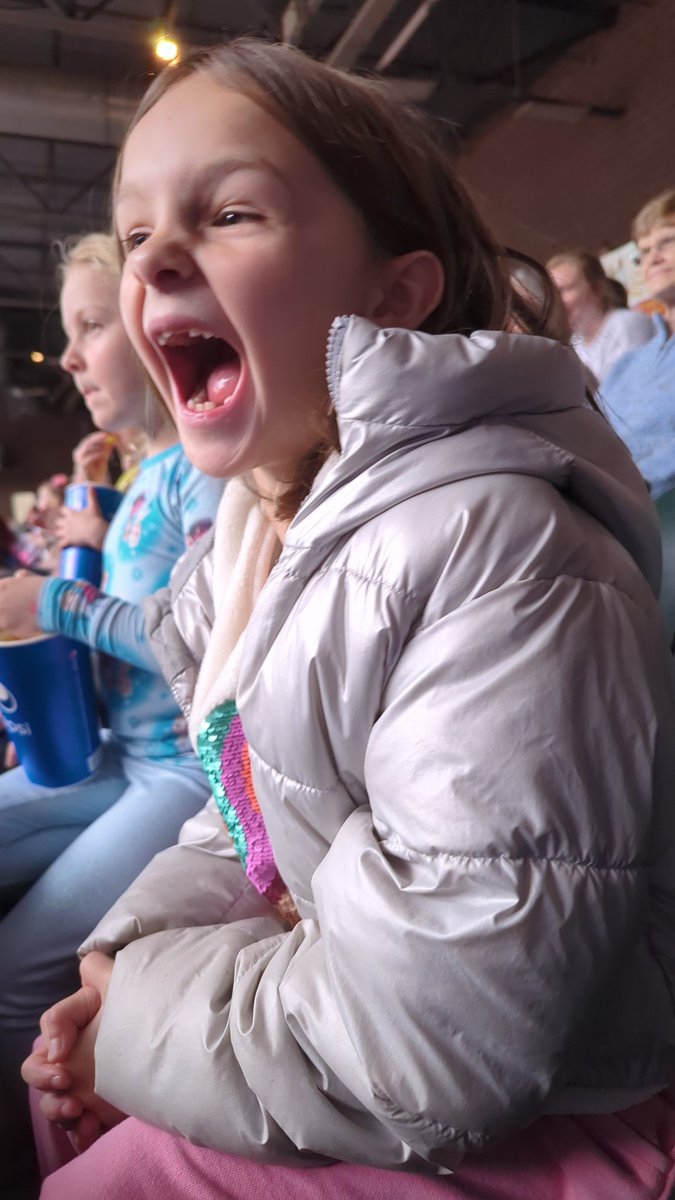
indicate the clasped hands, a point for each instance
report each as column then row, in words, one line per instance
column 62, row 1067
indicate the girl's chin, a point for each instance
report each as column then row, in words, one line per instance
column 217, row 456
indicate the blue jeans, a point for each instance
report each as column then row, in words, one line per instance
column 83, row 846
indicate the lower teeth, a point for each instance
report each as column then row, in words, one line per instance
column 196, row 405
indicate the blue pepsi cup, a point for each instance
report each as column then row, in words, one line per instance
column 48, row 705
column 82, row 562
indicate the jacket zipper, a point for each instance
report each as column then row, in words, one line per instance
column 336, row 337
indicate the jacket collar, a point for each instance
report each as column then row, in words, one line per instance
column 518, row 403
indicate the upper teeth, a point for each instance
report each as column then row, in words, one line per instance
column 167, row 336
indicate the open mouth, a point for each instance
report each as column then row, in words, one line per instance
column 205, row 369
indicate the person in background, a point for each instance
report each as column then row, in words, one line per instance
column 639, row 393
column 37, row 540
column 601, row 332
column 76, row 848
column 435, row 957
column 617, row 292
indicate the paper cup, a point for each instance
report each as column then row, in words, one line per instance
column 48, row 704
column 109, row 499
column 81, row 562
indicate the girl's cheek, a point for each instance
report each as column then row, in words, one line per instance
column 131, row 310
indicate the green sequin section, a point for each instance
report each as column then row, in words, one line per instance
column 211, row 736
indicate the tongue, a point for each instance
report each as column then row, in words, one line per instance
column 222, row 381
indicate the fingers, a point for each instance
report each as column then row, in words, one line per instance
column 85, row 1132
column 45, row 1077
column 91, row 457
column 61, row 1024
column 39, row 1073
column 61, row 1109
column 95, row 971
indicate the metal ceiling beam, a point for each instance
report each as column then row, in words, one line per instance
column 420, row 15
column 61, row 107
column 22, row 303
column 125, row 30
column 295, row 19
column 371, row 15
column 48, row 224
column 57, row 107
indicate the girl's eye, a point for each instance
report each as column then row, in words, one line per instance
column 233, row 216
column 92, row 326
column 133, row 241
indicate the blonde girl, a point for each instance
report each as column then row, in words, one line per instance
column 71, row 851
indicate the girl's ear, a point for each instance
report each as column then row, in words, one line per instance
column 410, row 288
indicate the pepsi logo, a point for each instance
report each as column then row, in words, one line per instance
column 8, row 702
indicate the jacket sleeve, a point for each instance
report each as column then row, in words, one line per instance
column 179, row 618
column 469, row 917
column 199, row 881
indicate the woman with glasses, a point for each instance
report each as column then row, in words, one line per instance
column 639, row 393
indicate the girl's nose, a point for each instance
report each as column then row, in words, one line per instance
column 162, row 261
column 71, row 360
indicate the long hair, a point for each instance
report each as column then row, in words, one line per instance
column 591, row 269
column 388, row 159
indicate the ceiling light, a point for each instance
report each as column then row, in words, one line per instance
column 37, row 356
column 166, row 49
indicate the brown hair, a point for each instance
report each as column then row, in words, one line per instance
column 387, row 158
column 591, row 269
column 659, row 211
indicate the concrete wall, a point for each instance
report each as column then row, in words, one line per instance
column 545, row 185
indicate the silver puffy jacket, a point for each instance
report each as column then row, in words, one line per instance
column 459, row 703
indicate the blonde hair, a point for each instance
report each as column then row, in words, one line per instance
column 102, row 251
column 659, row 211
column 90, row 250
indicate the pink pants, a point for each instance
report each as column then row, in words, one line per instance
column 626, row 1156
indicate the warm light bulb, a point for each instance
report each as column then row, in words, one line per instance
column 37, row 356
column 166, row 49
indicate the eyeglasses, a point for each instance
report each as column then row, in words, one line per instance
column 664, row 244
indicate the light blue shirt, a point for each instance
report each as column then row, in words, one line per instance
column 168, row 506
column 638, row 398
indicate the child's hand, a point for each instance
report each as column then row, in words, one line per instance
column 62, row 1066
column 87, row 527
column 19, row 602
column 78, row 1109
column 91, row 457
column 61, row 1026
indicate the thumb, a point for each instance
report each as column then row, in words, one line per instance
column 59, row 1027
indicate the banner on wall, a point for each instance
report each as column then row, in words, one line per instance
column 620, row 264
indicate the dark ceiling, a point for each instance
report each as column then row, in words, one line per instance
column 70, row 73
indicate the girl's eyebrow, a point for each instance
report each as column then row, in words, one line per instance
column 209, row 174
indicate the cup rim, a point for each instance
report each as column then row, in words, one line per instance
column 97, row 487
column 14, row 643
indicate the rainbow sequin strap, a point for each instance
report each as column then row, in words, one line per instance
column 223, row 750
